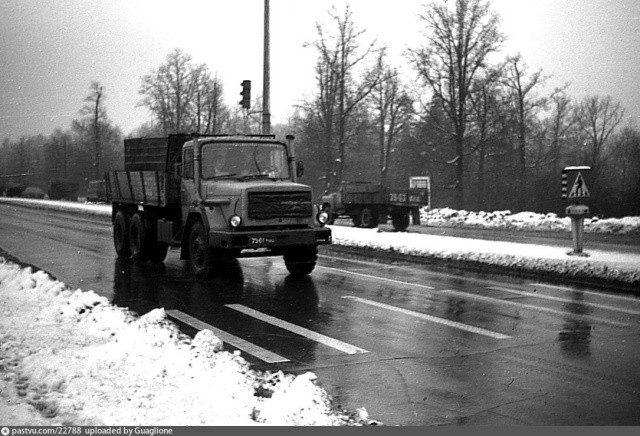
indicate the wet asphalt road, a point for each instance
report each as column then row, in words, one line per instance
column 413, row 345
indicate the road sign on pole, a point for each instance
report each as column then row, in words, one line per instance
column 577, row 212
column 579, row 189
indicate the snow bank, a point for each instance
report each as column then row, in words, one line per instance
column 70, row 358
column 613, row 267
column 525, row 221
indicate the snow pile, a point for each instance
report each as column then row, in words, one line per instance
column 525, row 221
column 70, row 358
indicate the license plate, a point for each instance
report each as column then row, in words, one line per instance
column 262, row 240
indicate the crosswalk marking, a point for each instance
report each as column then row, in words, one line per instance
column 239, row 343
column 430, row 318
column 326, row 340
column 563, row 300
column 532, row 307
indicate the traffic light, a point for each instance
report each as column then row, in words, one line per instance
column 246, row 94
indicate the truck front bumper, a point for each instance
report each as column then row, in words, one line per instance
column 271, row 239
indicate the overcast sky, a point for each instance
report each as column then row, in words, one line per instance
column 51, row 50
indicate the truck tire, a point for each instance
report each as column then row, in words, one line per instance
column 201, row 255
column 368, row 218
column 400, row 220
column 301, row 261
column 121, row 235
column 139, row 243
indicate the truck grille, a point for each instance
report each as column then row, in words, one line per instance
column 264, row 205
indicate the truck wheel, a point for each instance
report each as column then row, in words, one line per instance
column 138, row 238
column 368, row 218
column 202, row 257
column 400, row 221
column 121, row 235
column 301, row 261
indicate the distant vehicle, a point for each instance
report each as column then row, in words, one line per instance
column 97, row 191
column 33, row 192
column 63, row 189
column 216, row 198
column 369, row 204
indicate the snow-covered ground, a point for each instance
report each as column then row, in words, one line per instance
column 525, row 221
column 69, row 357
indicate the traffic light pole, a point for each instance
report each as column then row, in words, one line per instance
column 266, row 115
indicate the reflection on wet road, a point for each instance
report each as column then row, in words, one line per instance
column 412, row 344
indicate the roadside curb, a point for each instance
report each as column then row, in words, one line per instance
column 389, row 256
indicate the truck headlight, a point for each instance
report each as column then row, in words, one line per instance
column 235, row 221
column 322, row 217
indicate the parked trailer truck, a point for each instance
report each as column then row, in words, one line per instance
column 215, row 198
column 369, row 204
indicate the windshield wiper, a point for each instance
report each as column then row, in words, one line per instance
column 226, row 176
column 258, row 176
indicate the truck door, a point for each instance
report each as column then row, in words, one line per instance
column 187, row 188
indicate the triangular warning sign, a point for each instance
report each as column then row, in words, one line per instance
column 579, row 188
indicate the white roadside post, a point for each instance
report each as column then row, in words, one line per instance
column 577, row 212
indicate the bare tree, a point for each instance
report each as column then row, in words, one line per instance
column 486, row 104
column 559, row 125
column 521, row 84
column 169, row 90
column 458, row 41
column 340, row 93
column 597, row 117
column 208, row 111
column 393, row 107
column 95, row 126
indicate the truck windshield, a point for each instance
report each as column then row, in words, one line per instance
column 244, row 159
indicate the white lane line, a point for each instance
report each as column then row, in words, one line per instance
column 309, row 334
column 563, row 300
column 532, row 307
column 397, row 282
column 599, row 294
column 424, row 316
column 239, row 343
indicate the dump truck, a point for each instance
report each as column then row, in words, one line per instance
column 370, row 204
column 215, row 198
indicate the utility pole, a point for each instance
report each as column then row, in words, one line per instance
column 266, row 114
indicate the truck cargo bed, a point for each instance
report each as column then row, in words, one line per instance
column 152, row 188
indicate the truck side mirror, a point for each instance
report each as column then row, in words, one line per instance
column 177, row 170
column 299, row 168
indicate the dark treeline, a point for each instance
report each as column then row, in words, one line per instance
column 481, row 123
column 475, row 120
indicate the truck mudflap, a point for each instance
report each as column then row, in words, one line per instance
column 268, row 239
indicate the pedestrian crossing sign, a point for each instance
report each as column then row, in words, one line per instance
column 579, row 189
